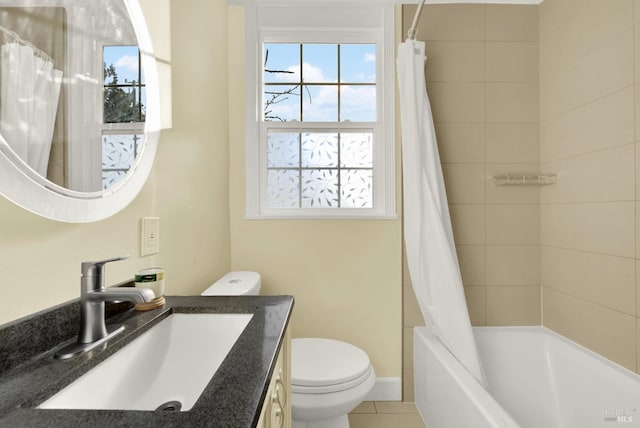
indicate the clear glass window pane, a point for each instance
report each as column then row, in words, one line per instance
column 283, row 150
column 358, row 103
column 281, row 63
column 320, row 103
column 319, row 63
column 356, row 150
column 320, row 188
column 319, row 150
column 283, row 188
column 281, row 103
column 121, row 65
column 358, row 63
column 356, row 188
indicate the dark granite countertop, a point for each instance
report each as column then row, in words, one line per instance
column 233, row 398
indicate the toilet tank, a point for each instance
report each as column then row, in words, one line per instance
column 235, row 284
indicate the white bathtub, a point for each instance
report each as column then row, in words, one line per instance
column 536, row 379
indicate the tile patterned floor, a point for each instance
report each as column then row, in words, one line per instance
column 385, row 414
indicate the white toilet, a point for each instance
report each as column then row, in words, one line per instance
column 329, row 378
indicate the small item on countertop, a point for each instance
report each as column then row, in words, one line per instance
column 152, row 278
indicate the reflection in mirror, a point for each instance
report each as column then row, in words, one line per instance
column 72, row 91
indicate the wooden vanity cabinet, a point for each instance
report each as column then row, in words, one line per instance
column 276, row 410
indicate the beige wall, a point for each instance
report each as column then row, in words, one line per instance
column 188, row 188
column 345, row 274
column 482, row 78
column 588, row 133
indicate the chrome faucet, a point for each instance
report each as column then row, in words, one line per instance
column 93, row 295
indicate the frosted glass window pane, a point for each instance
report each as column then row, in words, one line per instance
column 283, row 188
column 319, row 150
column 109, row 178
column 320, row 188
column 358, row 63
column 356, row 188
column 358, row 103
column 281, row 62
column 320, row 103
column 356, row 150
column 119, row 151
column 283, row 150
column 319, row 63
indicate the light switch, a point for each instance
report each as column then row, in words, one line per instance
column 150, row 243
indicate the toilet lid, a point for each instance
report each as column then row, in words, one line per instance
column 322, row 362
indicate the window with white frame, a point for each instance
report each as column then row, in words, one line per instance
column 123, row 112
column 321, row 143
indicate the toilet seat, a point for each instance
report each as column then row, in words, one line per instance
column 321, row 366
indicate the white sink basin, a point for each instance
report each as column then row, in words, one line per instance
column 171, row 362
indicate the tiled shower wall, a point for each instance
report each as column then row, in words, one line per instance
column 589, row 106
column 482, row 79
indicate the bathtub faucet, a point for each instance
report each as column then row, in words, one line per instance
column 93, row 295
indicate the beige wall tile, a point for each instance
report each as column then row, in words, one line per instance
column 457, row 102
column 513, row 305
column 407, row 347
column 461, row 142
column 512, row 102
column 411, row 310
column 468, row 223
column 472, row 264
column 408, row 393
column 638, row 290
column 476, row 304
column 458, row 61
column 592, row 25
column 605, row 331
column 600, row 72
column 511, row 194
column 554, row 14
column 513, row 23
column 638, row 344
column 604, row 123
column 512, row 61
column 464, row 183
column 603, row 227
column 513, row 265
column 636, row 41
column 606, row 175
column 601, row 279
column 513, row 143
column 637, row 110
column 637, row 229
column 447, row 22
column 513, row 224
column 636, row 11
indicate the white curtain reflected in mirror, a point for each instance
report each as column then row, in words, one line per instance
column 29, row 91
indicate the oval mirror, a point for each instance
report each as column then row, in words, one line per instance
column 79, row 106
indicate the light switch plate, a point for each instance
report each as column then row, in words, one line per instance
column 150, row 242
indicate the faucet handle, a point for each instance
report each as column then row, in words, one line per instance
column 97, row 268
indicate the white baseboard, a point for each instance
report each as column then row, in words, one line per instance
column 386, row 389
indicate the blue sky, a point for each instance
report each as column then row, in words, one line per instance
column 320, row 65
column 125, row 59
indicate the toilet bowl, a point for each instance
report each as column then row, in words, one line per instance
column 329, row 378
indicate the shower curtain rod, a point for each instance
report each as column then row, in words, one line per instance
column 15, row 37
column 413, row 30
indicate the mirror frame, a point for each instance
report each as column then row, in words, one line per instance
column 27, row 189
